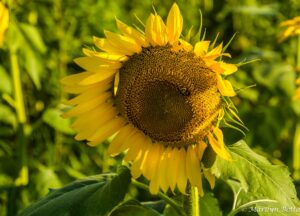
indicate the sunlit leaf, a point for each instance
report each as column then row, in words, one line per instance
column 257, row 175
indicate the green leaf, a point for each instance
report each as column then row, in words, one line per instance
column 5, row 84
column 170, row 211
column 52, row 117
column 95, row 197
column 257, row 176
column 133, row 208
column 33, row 37
column 7, row 115
column 209, row 205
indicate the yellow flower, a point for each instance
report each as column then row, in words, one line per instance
column 4, row 19
column 292, row 28
column 158, row 95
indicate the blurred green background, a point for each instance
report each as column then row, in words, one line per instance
column 37, row 150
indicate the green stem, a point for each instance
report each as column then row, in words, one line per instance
column 195, row 207
column 298, row 54
column 20, row 110
column 249, row 204
column 296, row 152
column 163, row 196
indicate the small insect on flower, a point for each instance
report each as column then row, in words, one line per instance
column 4, row 20
column 162, row 98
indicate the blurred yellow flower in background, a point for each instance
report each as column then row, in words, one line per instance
column 161, row 97
column 292, row 28
column 4, row 19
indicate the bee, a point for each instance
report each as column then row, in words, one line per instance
column 184, row 91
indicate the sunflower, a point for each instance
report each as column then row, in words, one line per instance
column 161, row 99
column 4, row 19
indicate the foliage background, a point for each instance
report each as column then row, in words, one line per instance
column 46, row 35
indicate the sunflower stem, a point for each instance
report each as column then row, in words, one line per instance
column 195, row 207
column 163, row 196
column 21, row 115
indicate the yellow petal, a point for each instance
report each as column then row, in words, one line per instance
column 102, row 117
column 89, row 94
column 89, row 105
column 223, row 68
column 75, row 78
column 156, row 30
column 217, row 143
column 200, row 148
column 77, row 89
column 135, row 147
column 193, row 169
column 154, row 182
column 201, row 48
column 135, row 167
column 210, row 178
column 98, row 77
column 106, row 131
column 84, row 119
column 106, row 46
column 115, row 146
column 162, row 170
column 228, row 68
column 174, row 24
column 298, row 81
column 225, row 87
column 214, row 53
column 182, row 176
column 173, row 163
column 129, row 140
column 151, row 159
column 132, row 33
column 123, row 42
column 96, row 64
column 104, row 55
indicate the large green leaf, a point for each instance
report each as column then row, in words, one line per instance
column 133, row 208
column 95, row 196
column 257, row 176
column 209, row 205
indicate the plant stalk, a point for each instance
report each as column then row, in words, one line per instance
column 296, row 153
column 296, row 144
column 21, row 115
column 195, row 207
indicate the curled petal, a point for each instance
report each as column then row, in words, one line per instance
column 132, row 33
column 201, row 48
column 225, row 87
column 217, row 143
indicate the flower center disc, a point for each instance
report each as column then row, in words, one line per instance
column 169, row 95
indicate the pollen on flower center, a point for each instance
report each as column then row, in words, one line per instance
column 171, row 96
